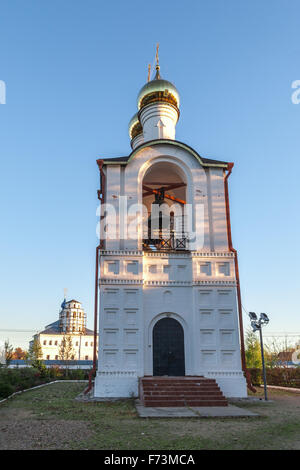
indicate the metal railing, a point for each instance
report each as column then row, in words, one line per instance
column 166, row 242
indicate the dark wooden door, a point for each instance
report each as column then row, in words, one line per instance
column 168, row 348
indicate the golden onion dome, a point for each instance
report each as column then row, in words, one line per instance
column 158, row 90
column 135, row 127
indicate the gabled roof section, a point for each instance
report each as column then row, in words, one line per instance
column 52, row 328
column 206, row 162
column 73, row 300
column 116, row 159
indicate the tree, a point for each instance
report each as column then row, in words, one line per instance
column 66, row 350
column 19, row 354
column 8, row 351
column 35, row 354
column 279, row 352
column 252, row 351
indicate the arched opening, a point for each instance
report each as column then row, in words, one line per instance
column 164, row 196
column 168, row 348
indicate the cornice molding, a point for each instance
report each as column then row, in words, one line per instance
column 166, row 254
column 157, row 283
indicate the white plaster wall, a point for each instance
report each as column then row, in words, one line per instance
column 177, row 304
column 168, row 285
column 113, row 190
column 205, row 192
column 218, row 210
column 137, row 141
column 53, row 350
column 197, row 288
column 158, row 121
column 121, row 351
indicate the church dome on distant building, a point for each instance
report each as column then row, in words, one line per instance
column 158, row 90
column 71, row 324
column 72, row 318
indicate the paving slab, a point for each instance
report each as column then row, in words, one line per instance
column 229, row 411
column 248, row 400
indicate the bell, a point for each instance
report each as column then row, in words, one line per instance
column 159, row 218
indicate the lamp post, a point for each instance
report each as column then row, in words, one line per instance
column 257, row 324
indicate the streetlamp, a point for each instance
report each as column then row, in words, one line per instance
column 257, row 325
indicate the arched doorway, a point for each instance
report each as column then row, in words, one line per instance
column 168, row 348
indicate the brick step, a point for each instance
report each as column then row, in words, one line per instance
column 182, row 393
column 173, row 380
column 178, row 378
column 182, row 397
column 179, row 384
column 182, row 389
column 179, row 387
column 193, row 400
column 168, row 403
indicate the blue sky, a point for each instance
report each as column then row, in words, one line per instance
column 73, row 70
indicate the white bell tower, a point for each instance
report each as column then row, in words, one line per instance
column 168, row 284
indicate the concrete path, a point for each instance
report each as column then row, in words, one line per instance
column 229, row 411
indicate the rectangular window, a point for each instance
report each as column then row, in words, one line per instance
column 55, row 343
column 205, row 268
column 112, row 267
column 50, row 343
column 132, row 267
column 56, row 357
column 86, row 343
column 44, row 343
column 86, row 358
column 152, row 268
column 48, row 357
column 91, row 343
column 223, row 269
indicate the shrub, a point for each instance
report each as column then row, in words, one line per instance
column 284, row 376
column 76, row 374
column 55, row 372
column 280, row 376
column 15, row 380
column 20, row 379
column 6, row 389
column 256, row 376
column 40, row 366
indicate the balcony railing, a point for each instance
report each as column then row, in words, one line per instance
column 166, row 242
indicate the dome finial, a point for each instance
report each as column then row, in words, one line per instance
column 157, row 75
column 65, row 298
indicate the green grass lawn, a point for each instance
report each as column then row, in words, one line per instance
column 50, row 418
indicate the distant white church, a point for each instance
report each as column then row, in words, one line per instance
column 71, row 322
column 169, row 298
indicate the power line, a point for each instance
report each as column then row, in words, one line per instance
column 283, row 335
column 19, row 331
column 245, row 309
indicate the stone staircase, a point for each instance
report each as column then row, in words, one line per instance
column 180, row 391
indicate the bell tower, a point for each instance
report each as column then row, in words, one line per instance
column 168, row 280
